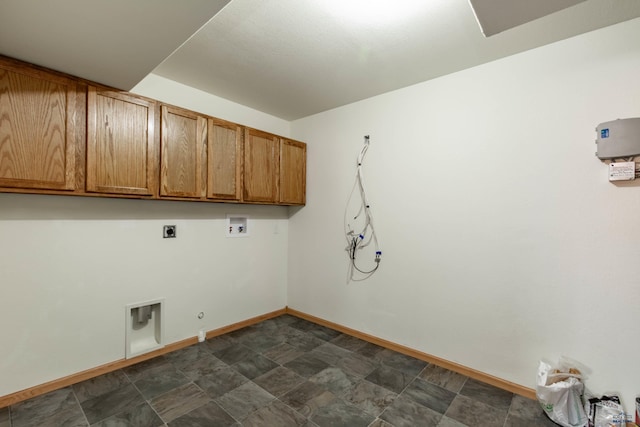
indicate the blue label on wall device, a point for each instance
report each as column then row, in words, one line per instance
column 604, row 133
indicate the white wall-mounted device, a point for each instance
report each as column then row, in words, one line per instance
column 618, row 139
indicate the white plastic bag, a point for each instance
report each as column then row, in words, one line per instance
column 560, row 395
column 606, row 411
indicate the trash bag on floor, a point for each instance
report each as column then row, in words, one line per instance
column 560, row 392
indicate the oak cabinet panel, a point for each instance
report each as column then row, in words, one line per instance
column 261, row 166
column 182, row 153
column 121, row 146
column 293, row 174
column 39, row 131
column 64, row 135
column 224, row 148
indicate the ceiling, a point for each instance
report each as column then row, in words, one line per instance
column 495, row 16
column 288, row 58
column 113, row 42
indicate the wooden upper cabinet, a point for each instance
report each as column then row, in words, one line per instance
column 121, row 146
column 224, row 161
column 182, row 153
column 41, row 132
column 293, row 172
column 261, row 166
column 62, row 135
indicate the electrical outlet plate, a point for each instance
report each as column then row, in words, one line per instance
column 169, row 231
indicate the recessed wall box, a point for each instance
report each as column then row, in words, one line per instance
column 618, row 139
column 237, row 225
column 144, row 327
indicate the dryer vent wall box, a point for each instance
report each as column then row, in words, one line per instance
column 618, row 139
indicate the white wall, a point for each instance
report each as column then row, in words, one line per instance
column 69, row 265
column 503, row 242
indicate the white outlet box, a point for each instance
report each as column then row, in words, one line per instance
column 237, row 225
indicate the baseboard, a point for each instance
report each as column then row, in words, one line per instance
column 38, row 390
column 452, row 366
column 244, row 324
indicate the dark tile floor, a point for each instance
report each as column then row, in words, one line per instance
column 281, row 372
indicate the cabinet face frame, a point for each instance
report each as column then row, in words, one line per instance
column 293, row 174
column 96, row 164
column 175, row 151
column 261, row 166
column 236, row 163
column 44, row 149
column 225, row 160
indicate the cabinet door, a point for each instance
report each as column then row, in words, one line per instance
column 39, row 131
column 224, row 160
column 293, row 172
column 261, row 166
column 182, row 153
column 121, row 149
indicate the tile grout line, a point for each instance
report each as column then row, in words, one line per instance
column 249, row 380
column 80, row 405
column 148, row 401
column 508, row 411
column 457, row 394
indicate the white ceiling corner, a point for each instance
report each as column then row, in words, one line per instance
column 113, row 42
